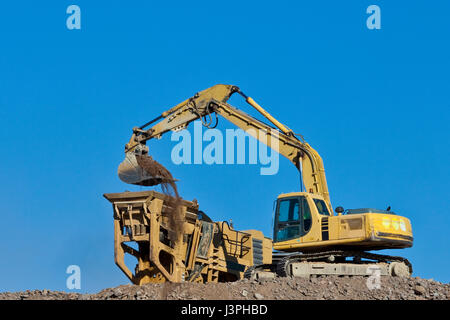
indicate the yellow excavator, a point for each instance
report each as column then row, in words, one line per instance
column 308, row 238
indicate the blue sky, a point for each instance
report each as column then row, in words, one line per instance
column 374, row 103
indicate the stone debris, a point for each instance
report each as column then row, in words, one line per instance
column 323, row 288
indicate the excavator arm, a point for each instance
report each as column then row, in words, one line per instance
column 213, row 101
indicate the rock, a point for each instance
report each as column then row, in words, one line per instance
column 259, row 296
column 419, row 290
column 244, row 293
column 140, row 295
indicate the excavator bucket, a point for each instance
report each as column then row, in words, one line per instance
column 131, row 172
column 143, row 170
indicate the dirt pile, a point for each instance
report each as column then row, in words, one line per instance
column 322, row 288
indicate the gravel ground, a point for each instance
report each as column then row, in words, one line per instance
column 321, row 288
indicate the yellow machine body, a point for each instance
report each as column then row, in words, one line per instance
column 193, row 248
column 314, row 229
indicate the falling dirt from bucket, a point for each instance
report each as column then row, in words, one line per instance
column 169, row 188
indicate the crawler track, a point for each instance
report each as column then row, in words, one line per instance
column 281, row 262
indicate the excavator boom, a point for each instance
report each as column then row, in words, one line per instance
column 214, row 101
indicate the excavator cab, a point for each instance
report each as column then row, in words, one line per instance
column 296, row 216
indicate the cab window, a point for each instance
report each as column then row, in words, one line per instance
column 321, row 207
column 288, row 210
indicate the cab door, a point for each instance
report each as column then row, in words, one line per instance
column 292, row 218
